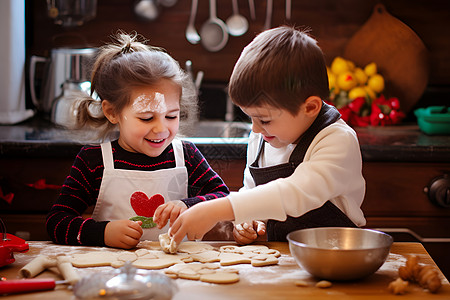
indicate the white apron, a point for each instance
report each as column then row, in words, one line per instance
column 118, row 185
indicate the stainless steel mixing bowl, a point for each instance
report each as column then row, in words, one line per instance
column 336, row 253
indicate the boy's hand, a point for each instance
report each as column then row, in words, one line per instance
column 123, row 234
column 200, row 218
column 245, row 233
column 170, row 210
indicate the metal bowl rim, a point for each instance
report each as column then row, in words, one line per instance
column 303, row 245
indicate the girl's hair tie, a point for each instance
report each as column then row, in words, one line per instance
column 126, row 48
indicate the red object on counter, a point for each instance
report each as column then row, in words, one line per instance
column 42, row 185
column 26, row 285
column 9, row 245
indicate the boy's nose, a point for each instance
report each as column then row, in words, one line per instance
column 255, row 127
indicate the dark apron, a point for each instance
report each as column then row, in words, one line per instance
column 328, row 215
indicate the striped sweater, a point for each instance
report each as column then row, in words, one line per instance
column 65, row 223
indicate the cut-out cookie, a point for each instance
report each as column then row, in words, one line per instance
column 207, row 256
column 141, row 252
column 220, row 277
column 155, row 264
column 93, row 259
column 194, row 247
column 228, row 259
column 127, row 256
column 150, row 245
column 117, row 264
column 264, row 260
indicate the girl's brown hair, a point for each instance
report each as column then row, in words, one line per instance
column 125, row 64
column 281, row 67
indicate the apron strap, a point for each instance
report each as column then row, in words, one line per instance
column 107, row 155
column 178, row 152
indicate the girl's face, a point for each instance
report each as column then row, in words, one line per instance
column 278, row 126
column 149, row 124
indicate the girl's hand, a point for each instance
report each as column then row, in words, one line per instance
column 123, row 234
column 245, row 233
column 170, row 210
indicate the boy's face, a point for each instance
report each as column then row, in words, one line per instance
column 278, row 126
column 149, row 124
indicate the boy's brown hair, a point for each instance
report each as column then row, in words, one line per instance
column 281, row 67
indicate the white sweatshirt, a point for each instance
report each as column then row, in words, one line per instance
column 331, row 170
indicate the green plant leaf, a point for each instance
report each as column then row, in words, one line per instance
column 147, row 222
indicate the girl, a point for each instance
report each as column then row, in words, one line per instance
column 144, row 93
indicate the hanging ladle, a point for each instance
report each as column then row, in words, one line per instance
column 237, row 24
column 214, row 33
column 191, row 34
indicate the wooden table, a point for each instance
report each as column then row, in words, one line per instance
column 273, row 282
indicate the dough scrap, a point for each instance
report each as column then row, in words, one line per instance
column 93, row 259
column 167, row 243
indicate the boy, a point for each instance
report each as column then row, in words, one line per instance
column 303, row 162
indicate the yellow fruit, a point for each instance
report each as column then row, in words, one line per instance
column 371, row 69
column 357, row 92
column 346, row 81
column 332, row 82
column 360, row 76
column 370, row 93
column 339, row 65
column 351, row 65
column 376, row 83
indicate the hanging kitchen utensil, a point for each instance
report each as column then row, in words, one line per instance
column 167, row 3
column 147, row 10
column 269, row 8
column 251, row 4
column 237, row 24
column 288, row 10
column 214, row 33
column 399, row 53
column 191, row 33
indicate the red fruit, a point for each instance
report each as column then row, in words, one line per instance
column 396, row 116
column 143, row 206
column 357, row 104
column 394, row 103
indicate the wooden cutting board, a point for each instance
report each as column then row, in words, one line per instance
column 399, row 53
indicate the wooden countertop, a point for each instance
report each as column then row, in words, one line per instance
column 273, row 282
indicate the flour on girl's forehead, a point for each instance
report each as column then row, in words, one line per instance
column 150, row 103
